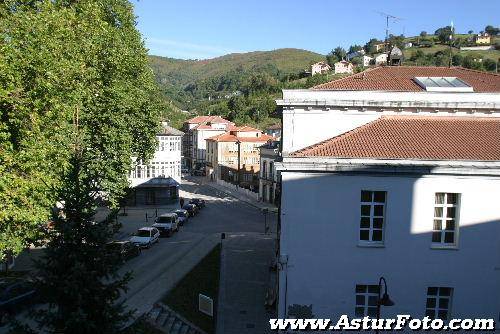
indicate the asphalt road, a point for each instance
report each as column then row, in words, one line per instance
column 157, row 269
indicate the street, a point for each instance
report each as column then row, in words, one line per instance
column 157, row 269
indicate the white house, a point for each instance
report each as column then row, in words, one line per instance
column 366, row 61
column 381, row 59
column 320, row 68
column 399, row 179
column 343, row 67
column 157, row 180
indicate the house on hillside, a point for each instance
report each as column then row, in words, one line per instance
column 379, row 47
column 320, row 68
column 274, row 131
column 197, row 130
column 381, row 59
column 483, row 38
column 343, row 67
column 366, row 61
column 157, row 181
column 233, row 156
column 400, row 179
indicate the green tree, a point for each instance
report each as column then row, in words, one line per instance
column 370, row 45
column 423, row 33
column 354, row 48
column 443, row 34
column 472, row 61
column 78, row 100
column 340, row 53
column 331, row 58
column 491, row 30
column 490, row 65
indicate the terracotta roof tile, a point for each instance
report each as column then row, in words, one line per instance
column 400, row 78
column 415, row 137
column 228, row 137
column 206, row 119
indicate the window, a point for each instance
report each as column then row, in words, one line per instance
column 445, row 227
column 372, row 216
column 438, row 305
column 366, row 300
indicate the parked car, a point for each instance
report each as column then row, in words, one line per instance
column 15, row 294
column 191, row 209
column 146, row 236
column 167, row 224
column 198, row 172
column 184, row 170
column 200, row 203
column 183, row 216
column 125, row 249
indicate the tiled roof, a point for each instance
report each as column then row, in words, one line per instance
column 276, row 126
column 228, row 137
column 400, row 78
column 169, row 131
column 244, row 128
column 415, row 137
column 206, row 119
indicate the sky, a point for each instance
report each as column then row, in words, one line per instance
column 201, row 29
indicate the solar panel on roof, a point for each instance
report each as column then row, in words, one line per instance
column 443, row 84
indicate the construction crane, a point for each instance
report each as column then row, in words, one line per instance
column 387, row 17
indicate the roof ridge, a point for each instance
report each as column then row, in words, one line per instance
column 346, row 77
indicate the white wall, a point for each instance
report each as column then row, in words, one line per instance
column 200, row 141
column 166, row 160
column 319, row 233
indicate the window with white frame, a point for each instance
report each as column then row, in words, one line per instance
column 371, row 226
column 445, row 227
column 366, row 300
column 438, row 305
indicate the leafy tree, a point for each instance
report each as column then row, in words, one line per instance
column 471, row 61
column 331, row 58
column 77, row 101
column 470, row 32
column 354, row 48
column 370, row 45
column 491, row 30
column 444, row 34
column 490, row 65
column 457, row 59
column 340, row 53
column 396, row 41
column 423, row 33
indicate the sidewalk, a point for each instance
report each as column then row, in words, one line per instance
column 244, row 281
column 240, row 196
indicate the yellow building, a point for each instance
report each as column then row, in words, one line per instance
column 234, row 156
column 482, row 39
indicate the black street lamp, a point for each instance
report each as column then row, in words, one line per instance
column 384, row 300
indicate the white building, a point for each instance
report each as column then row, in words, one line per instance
column 343, row 67
column 320, row 68
column 157, row 180
column 366, row 61
column 381, row 59
column 198, row 129
column 400, row 178
column 268, row 177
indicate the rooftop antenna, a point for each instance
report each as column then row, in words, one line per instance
column 387, row 17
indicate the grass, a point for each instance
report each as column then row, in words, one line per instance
column 204, row 279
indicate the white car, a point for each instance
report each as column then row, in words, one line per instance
column 146, row 236
column 167, row 224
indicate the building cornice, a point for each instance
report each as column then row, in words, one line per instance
column 388, row 166
column 303, row 98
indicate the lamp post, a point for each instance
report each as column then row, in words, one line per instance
column 384, row 301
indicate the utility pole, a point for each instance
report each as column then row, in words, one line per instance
column 450, row 42
column 238, row 142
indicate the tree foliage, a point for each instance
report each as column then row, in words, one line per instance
column 77, row 100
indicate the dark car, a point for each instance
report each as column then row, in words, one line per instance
column 125, row 249
column 198, row 172
column 15, row 294
column 183, row 216
column 191, row 209
column 200, row 203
